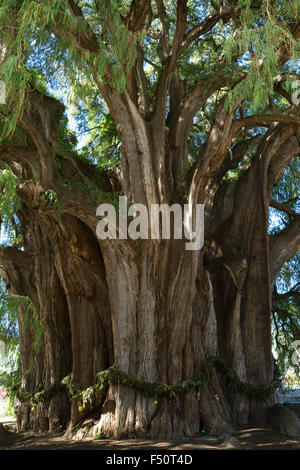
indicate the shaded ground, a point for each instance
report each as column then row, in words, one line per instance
column 250, row 437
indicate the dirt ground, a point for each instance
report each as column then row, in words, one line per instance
column 248, row 438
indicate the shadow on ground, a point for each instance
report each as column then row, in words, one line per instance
column 248, row 438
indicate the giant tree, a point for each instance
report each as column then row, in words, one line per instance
column 185, row 102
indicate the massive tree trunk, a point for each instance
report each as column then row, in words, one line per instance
column 163, row 335
column 151, row 308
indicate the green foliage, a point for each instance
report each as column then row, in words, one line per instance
column 255, row 40
column 9, row 203
column 51, row 200
column 286, row 296
column 99, row 436
column 92, row 395
column 103, row 143
column 8, row 317
column 286, row 190
column 67, row 140
column 9, row 307
column 114, row 50
column 10, row 375
column 243, row 50
column 286, row 308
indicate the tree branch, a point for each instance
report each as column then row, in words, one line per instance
column 162, row 85
column 206, row 25
column 87, row 38
column 284, row 52
column 139, row 16
column 288, row 150
column 263, row 120
column 284, row 246
column 180, row 119
column 283, row 208
column 163, row 18
column 236, row 155
column 291, row 293
column 278, row 87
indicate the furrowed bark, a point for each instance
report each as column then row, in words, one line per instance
column 45, row 359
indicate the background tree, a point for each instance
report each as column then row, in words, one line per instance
column 187, row 102
column 286, row 298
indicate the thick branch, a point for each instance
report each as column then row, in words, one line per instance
column 288, row 150
column 236, row 155
column 294, row 292
column 283, row 208
column 181, row 118
column 181, row 24
column 278, row 87
column 41, row 124
column 264, row 120
column 284, row 246
column 284, row 53
column 170, row 65
column 164, row 37
column 206, row 25
column 86, row 39
column 139, row 16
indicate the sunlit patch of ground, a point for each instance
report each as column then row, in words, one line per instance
column 5, row 413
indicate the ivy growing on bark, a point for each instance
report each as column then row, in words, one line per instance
column 91, row 396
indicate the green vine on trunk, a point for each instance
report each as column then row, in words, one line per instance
column 112, row 376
